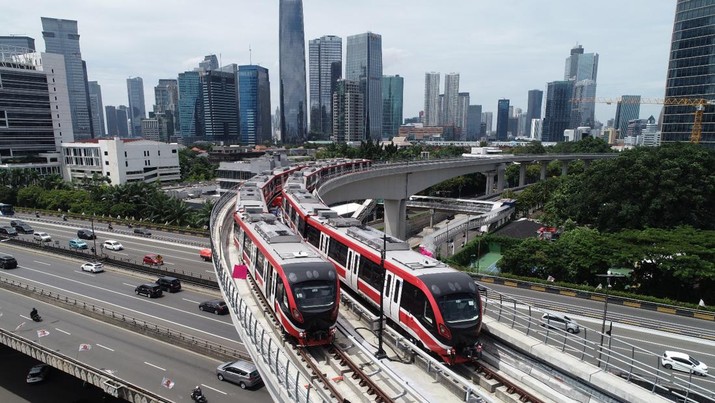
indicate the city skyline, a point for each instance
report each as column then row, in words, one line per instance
column 510, row 50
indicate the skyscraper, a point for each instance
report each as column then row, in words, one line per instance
column 137, row 107
column 474, row 122
column 324, row 54
column 166, row 107
column 450, row 101
column 392, row 94
column 218, row 106
column 627, row 109
column 533, row 109
column 583, row 105
column 254, row 95
column 96, row 109
column 462, row 110
column 189, row 90
column 690, row 71
column 557, row 115
column 487, row 118
column 18, row 41
column 348, row 112
column 62, row 37
column 580, row 65
column 364, row 65
column 123, row 121
column 291, row 37
column 502, row 119
column 111, row 113
column 431, row 111
column 210, row 62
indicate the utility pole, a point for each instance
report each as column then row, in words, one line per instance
column 380, row 353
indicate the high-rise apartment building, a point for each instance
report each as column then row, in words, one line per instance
column 392, row 94
column 293, row 105
column 557, row 116
column 691, row 72
column 627, row 109
column 474, row 123
column 254, row 95
column 502, row 119
column 96, row 109
column 432, row 109
column 18, row 41
column 364, row 65
column 189, row 91
column 450, row 100
column 218, row 106
column 348, row 112
column 462, row 110
column 533, row 108
column 62, row 37
column 325, row 55
column 137, row 107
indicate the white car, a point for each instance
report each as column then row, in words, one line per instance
column 112, row 245
column 93, row 267
column 42, row 237
column 683, row 362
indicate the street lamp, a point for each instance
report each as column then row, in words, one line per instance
column 608, row 277
column 380, row 353
column 94, row 238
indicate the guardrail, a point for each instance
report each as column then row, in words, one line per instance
column 163, row 333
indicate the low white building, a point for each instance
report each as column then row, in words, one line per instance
column 121, row 160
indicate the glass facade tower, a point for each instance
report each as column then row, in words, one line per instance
column 392, row 95
column 291, row 37
column 62, row 37
column 254, row 97
column 324, row 54
column 189, row 90
column 96, row 108
column 502, row 119
column 533, row 109
column 627, row 109
column 557, row 116
column 691, row 72
column 137, row 107
column 363, row 64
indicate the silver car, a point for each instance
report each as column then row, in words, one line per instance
column 243, row 373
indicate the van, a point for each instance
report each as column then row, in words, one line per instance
column 169, row 284
column 560, row 322
column 7, row 262
column 243, row 373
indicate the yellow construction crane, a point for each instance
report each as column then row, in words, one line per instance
column 698, row 103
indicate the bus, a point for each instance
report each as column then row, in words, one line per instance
column 6, row 209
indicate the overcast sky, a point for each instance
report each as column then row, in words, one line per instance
column 501, row 48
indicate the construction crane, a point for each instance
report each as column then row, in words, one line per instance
column 698, row 103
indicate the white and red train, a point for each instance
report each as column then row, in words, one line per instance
column 434, row 304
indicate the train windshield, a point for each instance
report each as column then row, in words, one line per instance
column 459, row 308
column 315, row 294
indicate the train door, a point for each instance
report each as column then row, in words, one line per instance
column 324, row 243
column 392, row 302
column 351, row 271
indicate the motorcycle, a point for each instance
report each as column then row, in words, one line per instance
column 198, row 397
column 110, row 227
column 36, row 318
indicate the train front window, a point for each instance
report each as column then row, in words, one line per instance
column 314, row 295
column 459, row 308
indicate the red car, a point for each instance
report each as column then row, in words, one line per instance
column 206, row 254
column 153, row 259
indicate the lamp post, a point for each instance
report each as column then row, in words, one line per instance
column 94, row 238
column 380, row 353
column 608, row 277
column 471, row 263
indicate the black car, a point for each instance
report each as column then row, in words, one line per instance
column 142, row 231
column 217, row 306
column 151, row 290
column 15, row 223
column 86, row 234
column 24, row 229
column 169, row 284
column 7, row 262
column 8, row 231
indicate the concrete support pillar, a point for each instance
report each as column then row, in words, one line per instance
column 395, row 214
column 522, row 174
column 544, row 165
column 490, row 182
column 501, row 177
column 565, row 167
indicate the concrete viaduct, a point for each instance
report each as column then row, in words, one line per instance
column 395, row 183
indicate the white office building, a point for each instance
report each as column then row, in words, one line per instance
column 121, row 160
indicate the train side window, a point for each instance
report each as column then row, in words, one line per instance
column 338, row 252
column 397, row 290
column 312, row 235
column 259, row 263
column 247, row 244
column 301, row 226
column 282, row 297
column 428, row 314
column 387, row 287
column 370, row 272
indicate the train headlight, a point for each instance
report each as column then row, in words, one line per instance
column 297, row 315
column 444, row 331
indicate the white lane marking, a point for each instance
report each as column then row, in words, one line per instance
column 210, row 271
column 104, row 347
column 155, row 366
column 60, row 330
column 190, row 300
column 129, row 285
column 85, row 297
column 214, row 389
column 46, row 264
column 169, row 263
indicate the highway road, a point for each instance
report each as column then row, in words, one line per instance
column 652, row 339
